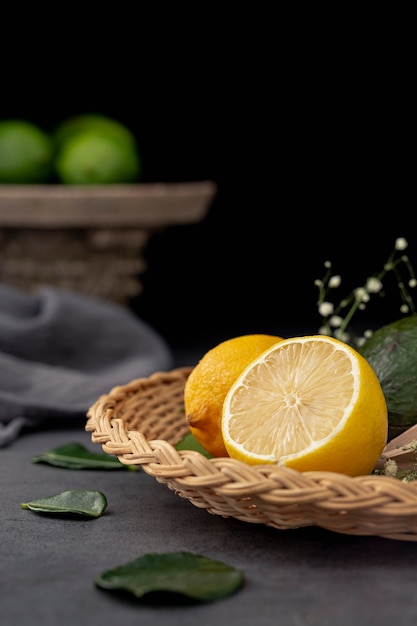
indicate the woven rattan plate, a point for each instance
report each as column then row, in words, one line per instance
column 141, row 422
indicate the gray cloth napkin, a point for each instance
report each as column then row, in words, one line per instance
column 60, row 350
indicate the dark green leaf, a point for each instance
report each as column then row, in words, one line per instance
column 189, row 442
column 76, row 456
column 76, row 502
column 188, row 575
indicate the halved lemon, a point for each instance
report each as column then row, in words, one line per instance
column 310, row 403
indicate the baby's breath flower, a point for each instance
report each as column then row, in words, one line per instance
column 404, row 471
column 336, row 321
column 334, row 281
column 373, row 285
column 390, row 468
column 361, row 294
column 341, row 314
column 326, row 309
column 401, row 243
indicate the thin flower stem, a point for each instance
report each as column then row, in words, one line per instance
column 349, row 315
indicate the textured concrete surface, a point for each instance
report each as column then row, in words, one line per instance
column 292, row 577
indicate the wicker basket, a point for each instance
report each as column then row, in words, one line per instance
column 141, row 422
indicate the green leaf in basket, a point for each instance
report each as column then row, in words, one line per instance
column 76, row 456
column 76, row 502
column 189, row 442
column 186, row 575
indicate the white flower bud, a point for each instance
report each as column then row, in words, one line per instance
column 326, row 309
column 373, row 285
column 336, row 321
column 401, row 243
column 335, row 281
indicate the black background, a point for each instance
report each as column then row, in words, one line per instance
column 308, row 135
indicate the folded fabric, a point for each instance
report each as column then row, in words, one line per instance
column 60, row 350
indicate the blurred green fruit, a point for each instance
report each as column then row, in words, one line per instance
column 94, row 157
column 26, row 153
column 392, row 352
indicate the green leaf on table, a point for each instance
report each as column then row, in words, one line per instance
column 74, row 502
column 76, row 456
column 189, row 442
column 186, row 575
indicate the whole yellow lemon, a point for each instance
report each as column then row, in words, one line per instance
column 211, row 379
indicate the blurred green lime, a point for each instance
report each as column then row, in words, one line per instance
column 95, row 157
column 26, row 153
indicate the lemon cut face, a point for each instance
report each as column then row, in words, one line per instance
column 310, row 403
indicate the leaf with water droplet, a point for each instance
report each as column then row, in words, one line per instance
column 75, row 502
column 76, row 456
column 179, row 574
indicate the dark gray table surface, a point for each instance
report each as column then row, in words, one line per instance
column 307, row 576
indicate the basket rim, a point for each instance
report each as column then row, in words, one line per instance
column 362, row 505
